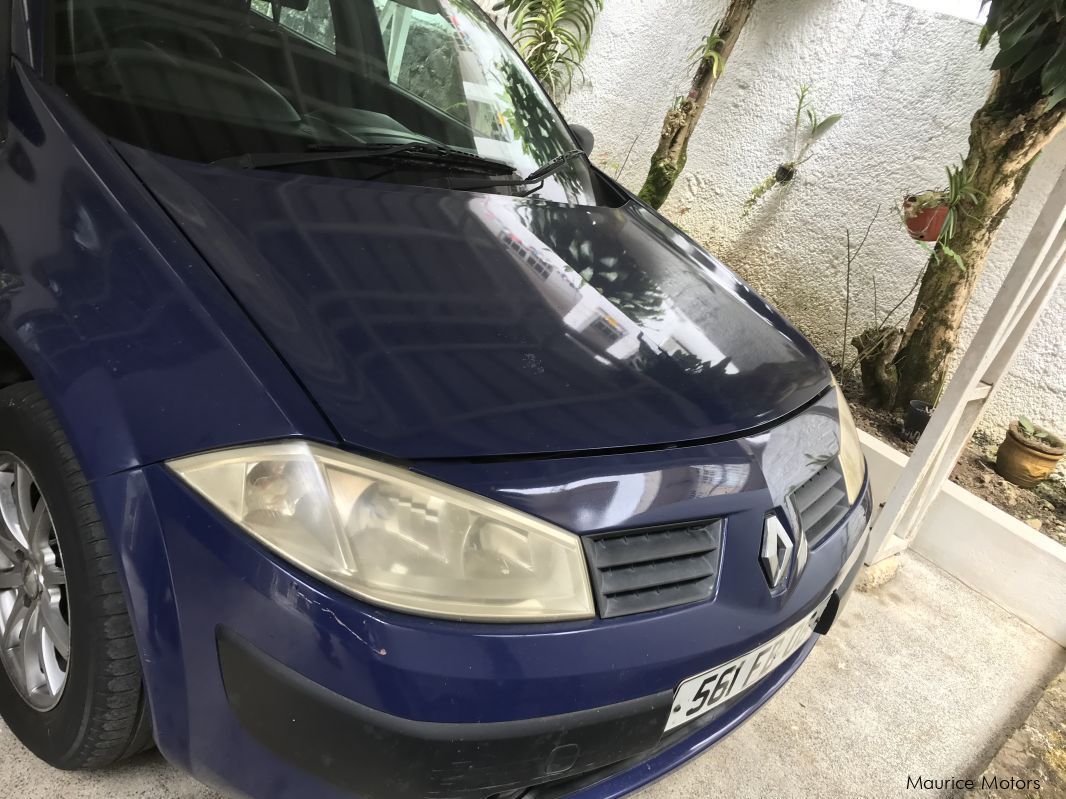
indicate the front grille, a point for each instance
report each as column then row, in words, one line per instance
column 822, row 502
column 645, row 570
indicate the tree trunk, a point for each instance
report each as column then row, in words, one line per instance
column 681, row 120
column 1006, row 134
column 877, row 366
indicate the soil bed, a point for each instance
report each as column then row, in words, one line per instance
column 1035, row 755
column 1043, row 508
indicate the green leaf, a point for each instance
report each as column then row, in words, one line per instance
column 953, row 255
column 552, row 35
column 949, row 224
column 991, row 21
column 1026, row 425
column 716, row 63
column 993, row 9
column 1013, row 55
column 1015, row 30
column 1034, row 62
column 1055, row 71
column 1056, row 97
column 801, row 95
column 826, row 124
column 929, row 251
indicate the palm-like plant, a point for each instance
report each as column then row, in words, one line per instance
column 1032, row 44
column 553, row 36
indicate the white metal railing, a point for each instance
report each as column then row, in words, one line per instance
column 1025, row 292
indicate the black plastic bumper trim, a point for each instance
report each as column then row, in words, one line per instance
column 379, row 756
column 566, row 786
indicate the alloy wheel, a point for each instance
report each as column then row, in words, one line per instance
column 34, row 614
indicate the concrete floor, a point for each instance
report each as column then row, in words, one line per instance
column 924, row 677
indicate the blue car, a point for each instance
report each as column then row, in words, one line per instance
column 360, row 438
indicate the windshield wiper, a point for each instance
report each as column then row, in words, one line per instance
column 537, row 176
column 434, row 153
column 553, row 166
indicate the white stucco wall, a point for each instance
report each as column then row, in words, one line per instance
column 907, row 79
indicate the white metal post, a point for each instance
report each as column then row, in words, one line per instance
column 401, row 24
column 1025, row 292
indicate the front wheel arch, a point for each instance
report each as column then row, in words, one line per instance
column 102, row 713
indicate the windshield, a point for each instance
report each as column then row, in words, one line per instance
column 208, row 80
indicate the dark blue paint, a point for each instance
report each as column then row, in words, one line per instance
column 417, row 668
column 212, row 309
column 440, row 324
column 646, row 489
column 140, row 348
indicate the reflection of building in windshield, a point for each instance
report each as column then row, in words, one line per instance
column 484, row 93
column 428, row 34
column 595, row 320
column 492, row 136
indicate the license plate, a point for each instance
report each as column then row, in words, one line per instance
column 704, row 692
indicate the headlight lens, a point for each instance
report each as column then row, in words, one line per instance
column 396, row 538
column 852, row 461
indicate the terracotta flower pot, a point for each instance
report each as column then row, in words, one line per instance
column 927, row 224
column 1025, row 461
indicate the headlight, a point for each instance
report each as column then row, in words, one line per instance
column 852, row 461
column 395, row 538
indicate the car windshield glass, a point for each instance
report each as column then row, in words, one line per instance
column 215, row 80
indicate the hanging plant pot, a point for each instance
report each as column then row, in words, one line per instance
column 917, row 419
column 1026, row 460
column 924, row 222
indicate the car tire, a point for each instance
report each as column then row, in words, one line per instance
column 88, row 708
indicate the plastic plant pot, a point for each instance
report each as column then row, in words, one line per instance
column 917, row 419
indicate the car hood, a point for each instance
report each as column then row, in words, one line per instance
column 441, row 324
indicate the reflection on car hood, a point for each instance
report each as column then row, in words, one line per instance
column 438, row 324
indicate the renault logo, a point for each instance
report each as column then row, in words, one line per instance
column 777, row 551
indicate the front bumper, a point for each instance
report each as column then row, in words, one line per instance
column 318, row 731
column 263, row 681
